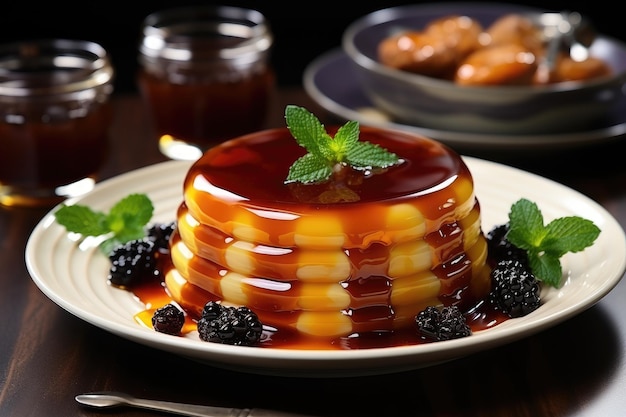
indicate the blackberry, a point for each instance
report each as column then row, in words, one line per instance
column 500, row 248
column 427, row 322
column 132, row 262
column 212, row 310
column 160, row 234
column 445, row 324
column 229, row 325
column 168, row 319
column 515, row 290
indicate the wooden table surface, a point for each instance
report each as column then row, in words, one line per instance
column 577, row 368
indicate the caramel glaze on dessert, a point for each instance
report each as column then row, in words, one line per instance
column 344, row 264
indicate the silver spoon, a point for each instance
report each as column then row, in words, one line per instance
column 109, row 399
column 563, row 31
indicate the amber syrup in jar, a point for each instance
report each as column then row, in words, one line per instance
column 204, row 76
column 54, row 119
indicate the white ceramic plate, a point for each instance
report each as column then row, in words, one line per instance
column 74, row 277
column 331, row 81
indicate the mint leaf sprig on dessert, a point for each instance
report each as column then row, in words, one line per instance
column 327, row 153
column 546, row 244
column 124, row 222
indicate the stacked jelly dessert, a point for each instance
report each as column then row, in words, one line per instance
column 359, row 254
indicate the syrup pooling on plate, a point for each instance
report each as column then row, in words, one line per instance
column 362, row 254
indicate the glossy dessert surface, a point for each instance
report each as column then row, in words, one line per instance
column 361, row 253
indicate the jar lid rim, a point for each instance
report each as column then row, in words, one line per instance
column 52, row 66
column 205, row 33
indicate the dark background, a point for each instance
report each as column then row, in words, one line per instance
column 303, row 29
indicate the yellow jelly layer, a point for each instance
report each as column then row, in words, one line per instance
column 334, row 227
column 405, row 297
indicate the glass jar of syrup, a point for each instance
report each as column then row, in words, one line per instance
column 54, row 119
column 204, row 75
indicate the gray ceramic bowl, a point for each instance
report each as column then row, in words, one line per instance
column 441, row 104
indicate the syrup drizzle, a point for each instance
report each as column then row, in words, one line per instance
column 234, row 170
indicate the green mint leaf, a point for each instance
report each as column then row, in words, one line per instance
column 545, row 267
column 365, row 155
column 130, row 231
column 309, row 168
column 108, row 245
column 346, row 138
column 81, row 219
column 130, row 214
column 307, row 130
column 324, row 151
column 545, row 245
column 569, row 234
column 526, row 229
column 125, row 221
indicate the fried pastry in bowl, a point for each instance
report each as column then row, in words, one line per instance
column 490, row 68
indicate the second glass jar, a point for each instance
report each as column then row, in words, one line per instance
column 205, row 76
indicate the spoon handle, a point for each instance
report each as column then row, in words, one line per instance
column 190, row 410
column 207, row 411
column 111, row 399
